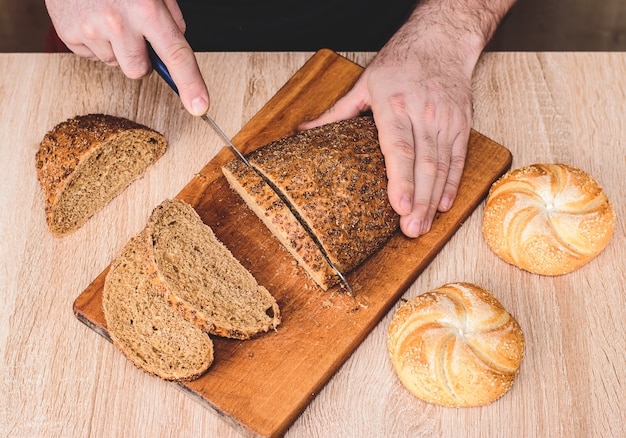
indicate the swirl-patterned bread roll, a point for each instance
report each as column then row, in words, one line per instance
column 549, row 219
column 456, row 346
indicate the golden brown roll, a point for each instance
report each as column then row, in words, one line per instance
column 548, row 219
column 455, row 346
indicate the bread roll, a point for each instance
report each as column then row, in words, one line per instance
column 549, row 219
column 455, row 346
column 86, row 161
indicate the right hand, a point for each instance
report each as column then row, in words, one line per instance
column 115, row 32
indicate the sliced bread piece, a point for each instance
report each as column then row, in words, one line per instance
column 201, row 278
column 153, row 335
column 335, row 181
column 277, row 217
column 86, row 161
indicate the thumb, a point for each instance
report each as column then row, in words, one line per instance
column 355, row 102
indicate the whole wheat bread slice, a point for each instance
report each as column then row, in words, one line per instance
column 153, row 335
column 84, row 162
column 277, row 217
column 201, row 278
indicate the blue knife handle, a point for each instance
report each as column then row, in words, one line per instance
column 160, row 68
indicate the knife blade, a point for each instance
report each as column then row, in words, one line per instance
column 161, row 69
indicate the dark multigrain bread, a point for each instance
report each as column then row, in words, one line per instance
column 277, row 217
column 200, row 277
column 86, row 161
column 152, row 334
column 173, row 284
column 334, row 178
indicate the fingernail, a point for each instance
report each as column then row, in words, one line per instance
column 445, row 203
column 426, row 226
column 199, row 106
column 414, row 229
column 406, row 205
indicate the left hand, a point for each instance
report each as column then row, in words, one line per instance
column 420, row 95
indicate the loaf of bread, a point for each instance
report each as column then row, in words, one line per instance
column 200, row 277
column 277, row 217
column 548, row 219
column 152, row 334
column 86, row 161
column 455, row 346
column 334, row 180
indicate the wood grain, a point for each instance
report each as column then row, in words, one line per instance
column 277, row 375
column 58, row 378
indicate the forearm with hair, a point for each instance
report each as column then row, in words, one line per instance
column 479, row 18
column 459, row 29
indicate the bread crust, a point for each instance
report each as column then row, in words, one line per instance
column 132, row 271
column 455, row 346
column 334, row 177
column 275, row 214
column 70, row 145
column 136, row 280
column 205, row 318
column 548, row 219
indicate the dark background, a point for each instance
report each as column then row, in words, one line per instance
column 532, row 25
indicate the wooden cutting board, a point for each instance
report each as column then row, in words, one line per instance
column 264, row 384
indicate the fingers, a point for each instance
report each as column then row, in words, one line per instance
column 424, row 157
column 180, row 60
column 428, row 171
column 116, row 33
column 457, row 163
column 177, row 14
column 168, row 41
column 414, row 170
column 397, row 144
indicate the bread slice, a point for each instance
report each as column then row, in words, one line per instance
column 334, row 179
column 84, row 162
column 277, row 217
column 153, row 335
column 200, row 277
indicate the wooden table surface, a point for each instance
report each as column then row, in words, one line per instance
column 58, row 378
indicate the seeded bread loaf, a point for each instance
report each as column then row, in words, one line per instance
column 455, row 346
column 86, row 161
column 200, row 277
column 277, row 217
column 152, row 334
column 334, row 179
column 548, row 219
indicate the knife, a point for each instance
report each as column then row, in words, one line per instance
column 161, row 69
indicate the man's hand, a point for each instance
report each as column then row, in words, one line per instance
column 418, row 88
column 115, row 32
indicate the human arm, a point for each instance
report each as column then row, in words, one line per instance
column 116, row 32
column 418, row 88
